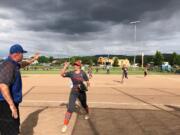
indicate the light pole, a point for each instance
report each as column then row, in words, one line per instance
column 142, row 60
column 108, row 55
column 135, row 35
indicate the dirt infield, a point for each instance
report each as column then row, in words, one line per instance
column 45, row 98
column 128, row 122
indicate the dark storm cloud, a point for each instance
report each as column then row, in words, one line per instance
column 90, row 26
column 78, row 16
column 126, row 10
column 68, row 26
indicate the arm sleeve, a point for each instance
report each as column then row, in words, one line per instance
column 24, row 64
column 7, row 73
column 85, row 77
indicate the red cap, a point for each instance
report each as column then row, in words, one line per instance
column 78, row 63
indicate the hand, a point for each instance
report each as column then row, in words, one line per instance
column 36, row 56
column 66, row 64
column 14, row 111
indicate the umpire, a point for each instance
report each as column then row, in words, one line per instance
column 11, row 90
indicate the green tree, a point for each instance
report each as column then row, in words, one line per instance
column 51, row 59
column 43, row 59
column 158, row 58
column 90, row 62
column 178, row 60
column 174, row 59
column 116, row 62
column 72, row 60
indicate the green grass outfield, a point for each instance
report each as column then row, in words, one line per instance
column 101, row 71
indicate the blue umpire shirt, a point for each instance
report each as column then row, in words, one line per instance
column 15, row 86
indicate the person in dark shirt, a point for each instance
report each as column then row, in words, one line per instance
column 145, row 71
column 78, row 90
column 11, row 90
column 124, row 73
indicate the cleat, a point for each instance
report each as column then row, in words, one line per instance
column 64, row 129
column 86, row 117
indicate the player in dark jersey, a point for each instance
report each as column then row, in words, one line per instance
column 78, row 91
column 124, row 73
column 145, row 71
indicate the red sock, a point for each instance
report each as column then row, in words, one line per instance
column 67, row 118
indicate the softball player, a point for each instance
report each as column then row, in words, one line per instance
column 78, row 91
column 124, row 73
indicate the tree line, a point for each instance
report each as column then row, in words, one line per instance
column 157, row 59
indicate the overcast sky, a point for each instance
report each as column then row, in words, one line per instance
column 89, row 27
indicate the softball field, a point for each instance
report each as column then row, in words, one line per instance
column 139, row 106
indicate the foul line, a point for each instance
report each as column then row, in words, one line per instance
column 108, row 103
